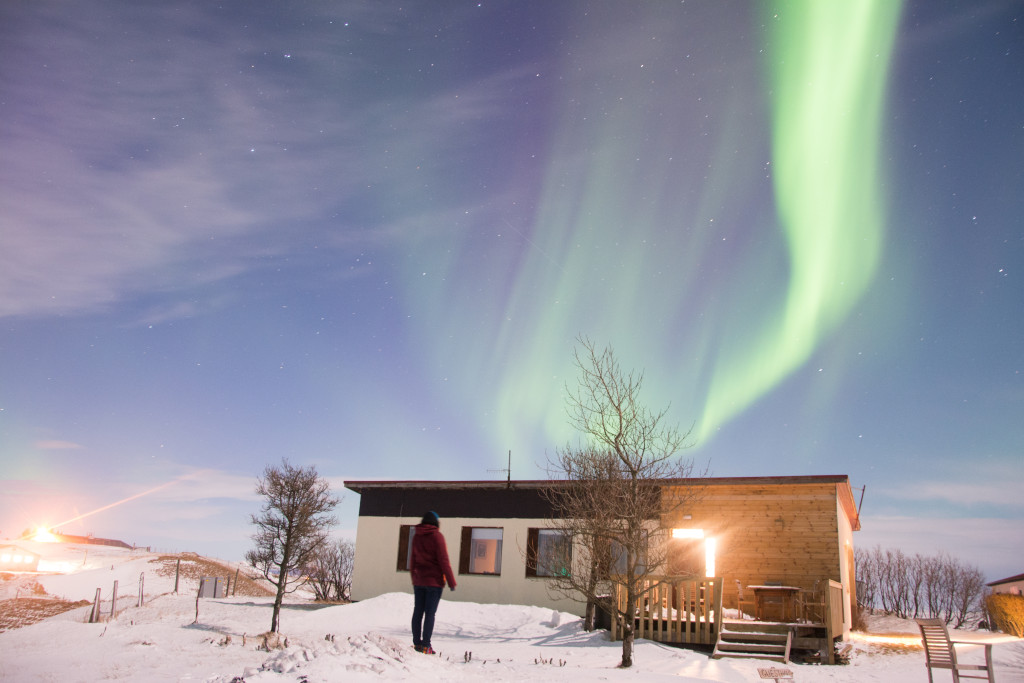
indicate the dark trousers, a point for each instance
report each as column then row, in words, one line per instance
column 424, row 607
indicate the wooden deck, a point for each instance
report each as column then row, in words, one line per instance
column 689, row 612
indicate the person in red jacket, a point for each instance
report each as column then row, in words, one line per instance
column 430, row 568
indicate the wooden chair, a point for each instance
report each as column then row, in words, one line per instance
column 940, row 653
column 740, row 600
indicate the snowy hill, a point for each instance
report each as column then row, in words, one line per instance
column 163, row 641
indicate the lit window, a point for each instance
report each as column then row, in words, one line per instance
column 548, row 552
column 6, row 557
column 481, row 550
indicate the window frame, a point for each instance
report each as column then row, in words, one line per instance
column 405, row 534
column 533, row 535
column 465, row 550
column 618, row 556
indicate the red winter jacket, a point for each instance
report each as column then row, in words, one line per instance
column 429, row 565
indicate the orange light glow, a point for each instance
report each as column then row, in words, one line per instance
column 43, row 535
column 907, row 640
column 687, row 533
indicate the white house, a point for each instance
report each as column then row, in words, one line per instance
column 487, row 527
column 751, row 532
column 1013, row 585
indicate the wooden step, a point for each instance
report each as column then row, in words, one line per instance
column 755, row 627
column 753, row 636
column 753, row 648
column 773, row 644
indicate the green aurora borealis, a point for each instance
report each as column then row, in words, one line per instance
column 829, row 63
column 636, row 243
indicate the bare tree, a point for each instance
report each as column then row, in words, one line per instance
column 936, row 586
column 292, row 524
column 330, row 571
column 608, row 494
column 867, row 577
column 968, row 593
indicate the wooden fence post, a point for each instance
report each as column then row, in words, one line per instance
column 199, row 593
column 142, row 577
column 177, row 572
column 234, row 586
column 94, row 615
column 113, row 602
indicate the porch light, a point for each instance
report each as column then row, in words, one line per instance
column 710, row 545
column 709, row 556
column 687, row 533
column 44, row 535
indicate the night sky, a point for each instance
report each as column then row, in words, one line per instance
column 365, row 235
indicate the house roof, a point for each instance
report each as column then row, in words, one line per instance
column 1009, row 579
column 841, row 481
column 359, row 486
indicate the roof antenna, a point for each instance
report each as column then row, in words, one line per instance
column 507, row 470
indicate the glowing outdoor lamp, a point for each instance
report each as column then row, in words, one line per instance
column 709, row 556
column 687, row 533
column 710, row 545
column 43, row 535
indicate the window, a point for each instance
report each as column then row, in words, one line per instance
column 405, row 534
column 481, row 550
column 548, row 552
column 619, row 557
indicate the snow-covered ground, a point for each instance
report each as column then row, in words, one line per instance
column 159, row 641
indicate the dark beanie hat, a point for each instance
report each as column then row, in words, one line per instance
column 431, row 518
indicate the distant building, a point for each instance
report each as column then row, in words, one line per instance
column 58, row 537
column 15, row 559
column 1013, row 585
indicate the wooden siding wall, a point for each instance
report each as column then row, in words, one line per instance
column 783, row 533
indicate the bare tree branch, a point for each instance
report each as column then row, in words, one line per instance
column 293, row 523
column 608, row 490
column 330, row 571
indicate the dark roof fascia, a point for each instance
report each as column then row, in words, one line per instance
column 1011, row 579
column 360, row 486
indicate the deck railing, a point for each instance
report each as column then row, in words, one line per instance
column 674, row 610
column 834, row 616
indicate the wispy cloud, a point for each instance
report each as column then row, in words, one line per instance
column 209, row 484
column 160, row 166
column 57, row 445
column 1002, row 493
column 993, row 484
